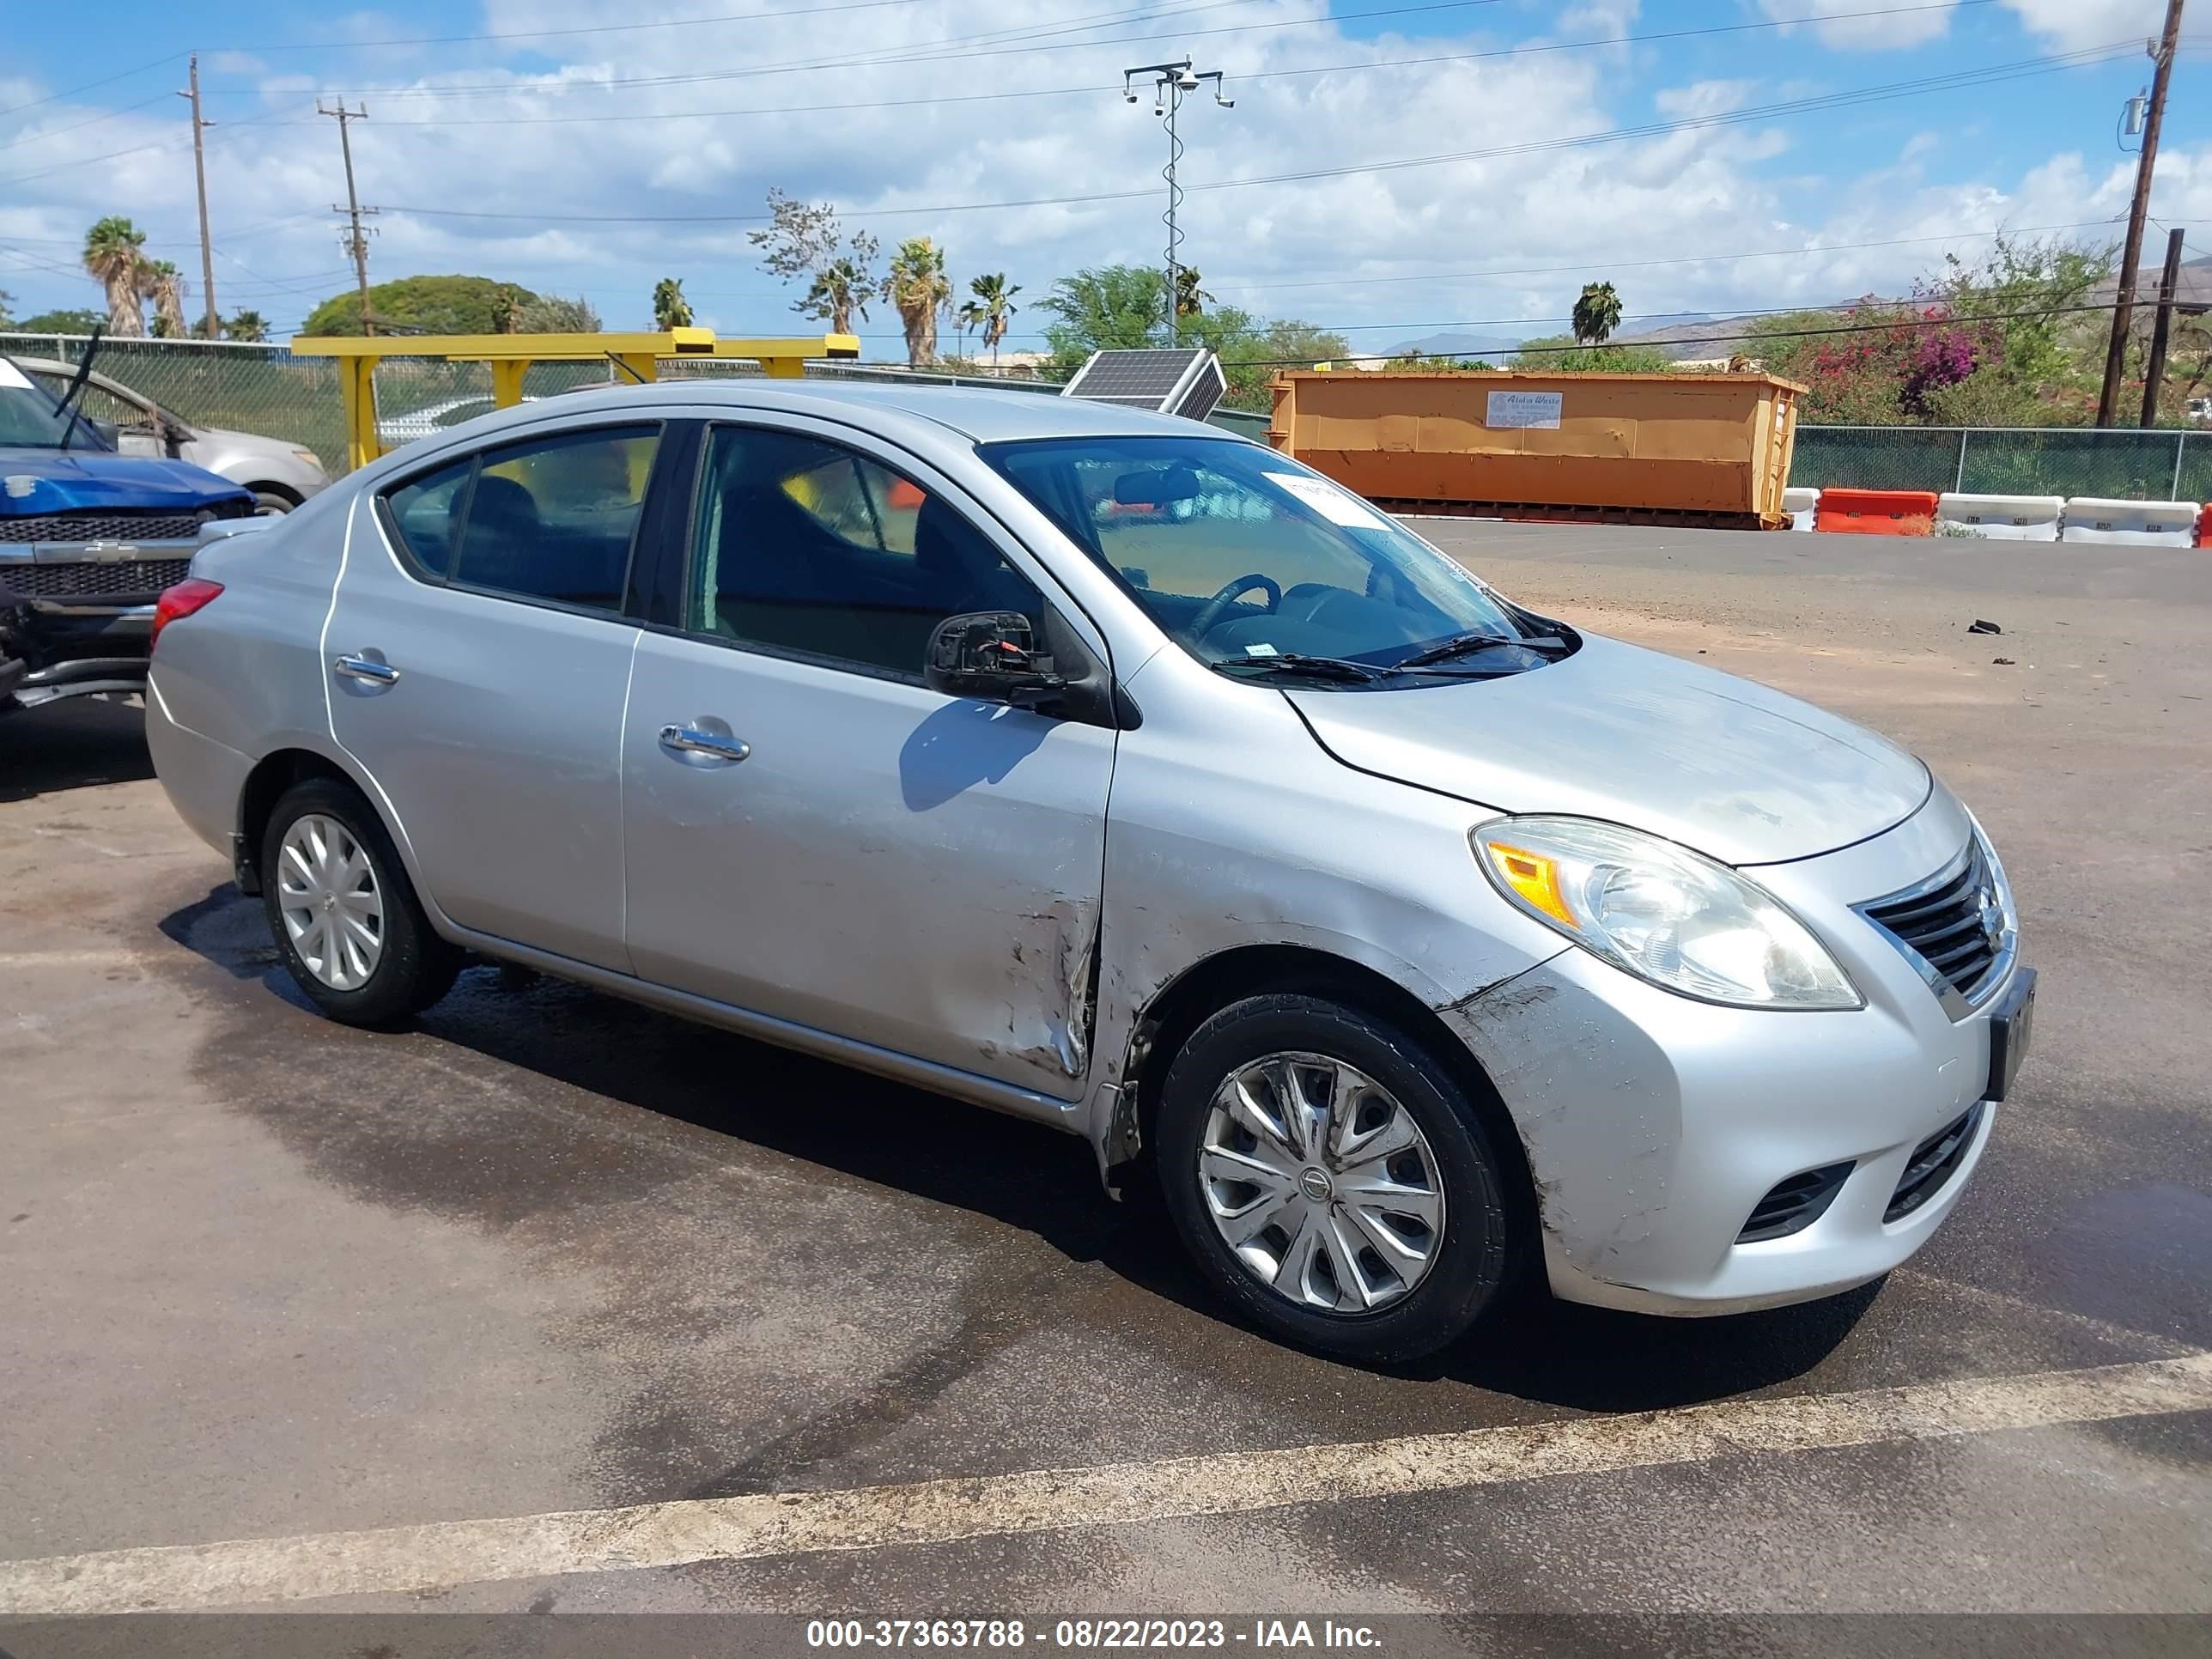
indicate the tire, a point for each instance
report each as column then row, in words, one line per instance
column 1395, row 1309
column 270, row 502
column 387, row 962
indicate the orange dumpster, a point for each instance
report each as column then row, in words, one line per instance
column 1682, row 448
column 1876, row 512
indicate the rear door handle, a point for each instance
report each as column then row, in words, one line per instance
column 700, row 740
column 366, row 669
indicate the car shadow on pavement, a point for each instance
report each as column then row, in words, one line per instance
column 1019, row 1174
column 71, row 744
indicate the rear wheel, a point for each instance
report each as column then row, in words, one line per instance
column 1332, row 1180
column 344, row 912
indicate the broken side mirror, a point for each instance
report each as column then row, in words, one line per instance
column 992, row 656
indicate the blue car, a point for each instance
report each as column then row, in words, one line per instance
column 89, row 538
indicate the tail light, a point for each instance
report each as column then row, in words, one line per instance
column 187, row 595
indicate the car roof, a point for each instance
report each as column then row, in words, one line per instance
column 981, row 414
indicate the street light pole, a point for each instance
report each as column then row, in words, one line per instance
column 1170, row 82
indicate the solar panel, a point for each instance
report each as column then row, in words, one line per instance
column 1177, row 382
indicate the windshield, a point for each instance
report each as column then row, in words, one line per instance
column 1245, row 557
column 29, row 419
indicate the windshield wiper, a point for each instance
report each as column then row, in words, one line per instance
column 1290, row 662
column 1468, row 644
column 67, row 406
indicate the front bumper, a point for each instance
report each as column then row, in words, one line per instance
column 1655, row 1125
column 74, row 624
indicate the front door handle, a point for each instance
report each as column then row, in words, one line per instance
column 699, row 739
column 366, row 669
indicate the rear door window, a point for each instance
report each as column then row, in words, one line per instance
column 427, row 512
column 553, row 519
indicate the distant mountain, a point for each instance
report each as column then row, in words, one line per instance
column 1459, row 345
column 1694, row 337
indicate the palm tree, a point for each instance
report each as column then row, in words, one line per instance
column 840, row 288
column 1597, row 314
column 994, row 307
column 670, row 308
column 248, row 326
column 115, row 255
column 971, row 316
column 164, row 284
column 1190, row 299
column 507, row 309
column 920, row 289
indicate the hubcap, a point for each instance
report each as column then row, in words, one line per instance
column 1321, row 1183
column 333, row 910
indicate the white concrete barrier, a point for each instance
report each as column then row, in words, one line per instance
column 1800, row 505
column 2001, row 518
column 2130, row 524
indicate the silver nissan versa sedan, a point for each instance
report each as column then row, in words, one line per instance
column 1100, row 767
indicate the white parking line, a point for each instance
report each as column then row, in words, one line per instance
column 447, row 1554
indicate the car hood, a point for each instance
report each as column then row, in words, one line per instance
column 1739, row 773
column 39, row 480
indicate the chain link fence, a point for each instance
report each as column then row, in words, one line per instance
column 264, row 389
column 2064, row 461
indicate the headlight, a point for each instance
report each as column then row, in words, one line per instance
column 1661, row 912
column 308, row 456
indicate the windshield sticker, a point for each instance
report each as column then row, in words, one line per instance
column 12, row 378
column 1261, row 651
column 1337, row 506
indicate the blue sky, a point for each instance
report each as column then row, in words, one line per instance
column 509, row 157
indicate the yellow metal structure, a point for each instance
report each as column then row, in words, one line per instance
column 510, row 356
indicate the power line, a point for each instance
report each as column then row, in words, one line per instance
column 1739, row 334
column 1087, row 90
column 1605, row 262
column 927, row 51
column 2050, row 64
column 105, row 80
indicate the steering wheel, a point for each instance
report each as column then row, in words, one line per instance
column 1218, row 606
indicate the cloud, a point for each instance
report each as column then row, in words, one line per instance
column 2072, row 24
column 1044, row 132
column 1899, row 28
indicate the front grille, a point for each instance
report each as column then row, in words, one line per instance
column 1933, row 1162
column 142, row 524
column 1956, row 928
column 1795, row 1204
column 100, row 578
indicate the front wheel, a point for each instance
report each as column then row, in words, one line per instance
column 1332, row 1180
column 344, row 914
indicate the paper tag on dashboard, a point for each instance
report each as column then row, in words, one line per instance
column 12, row 378
column 1337, row 505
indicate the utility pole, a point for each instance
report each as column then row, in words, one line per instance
column 355, row 241
column 2169, row 295
column 2116, row 354
column 1170, row 82
column 213, row 328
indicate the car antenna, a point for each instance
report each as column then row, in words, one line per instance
column 627, row 369
column 76, row 386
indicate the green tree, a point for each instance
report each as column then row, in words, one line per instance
column 507, row 309
column 61, row 322
column 1103, row 308
column 840, row 290
column 1251, row 354
column 115, row 257
column 992, row 309
column 670, row 308
column 918, row 288
column 433, row 305
column 1597, row 314
column 164, row 284
column 550, row 314
column 803, row 240
column 1190, row 299
column 247, row 325
column 1561, row 353
column 6, row 299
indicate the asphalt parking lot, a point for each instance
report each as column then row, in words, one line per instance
column 266, row 1279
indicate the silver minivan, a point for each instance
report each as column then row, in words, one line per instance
column 1100, row 767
